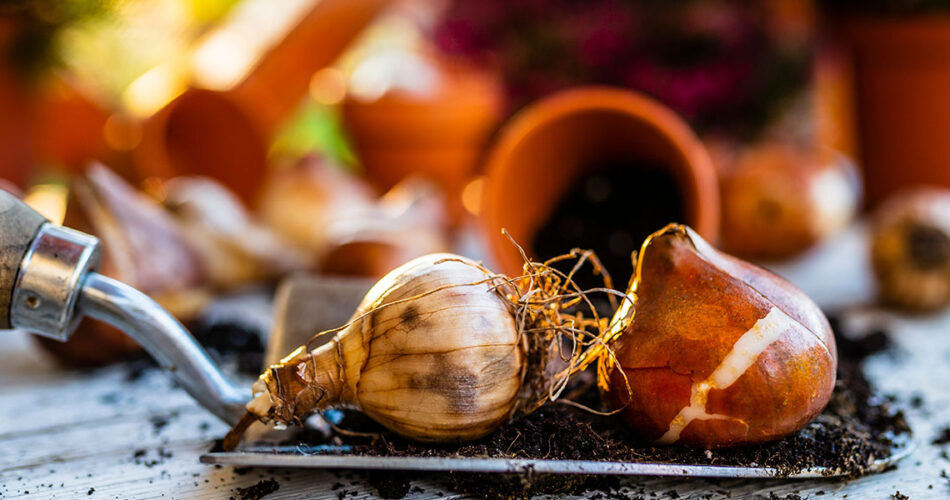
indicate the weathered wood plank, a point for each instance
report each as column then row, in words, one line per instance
column 180, row 476
column 75, row 397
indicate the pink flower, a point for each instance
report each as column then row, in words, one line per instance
column 704, row 58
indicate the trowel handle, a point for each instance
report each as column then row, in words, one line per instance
column 47, row 284
column 18, row 226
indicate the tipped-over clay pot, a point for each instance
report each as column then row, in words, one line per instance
column 552, row 143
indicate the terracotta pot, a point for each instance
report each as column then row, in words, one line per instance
column 440, row 134
column 208, row 133
column 553, row 142
column 902, row 73
column 16, row 137
column 45, row 119
column 834, row 102
column 17, row 116
column 225, row 134
column 69, row 126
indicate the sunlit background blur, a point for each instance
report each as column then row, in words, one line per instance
column 212, row 144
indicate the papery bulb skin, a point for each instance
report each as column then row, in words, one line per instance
column 718, row 352
column 408, row 221
column 233, row 246
column 302, row 201
column 444, row 366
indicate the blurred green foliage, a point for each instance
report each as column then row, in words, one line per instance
column 727, row 66
column 315, row 128
column 29, row 43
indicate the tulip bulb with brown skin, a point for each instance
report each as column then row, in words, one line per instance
column 910, row 249
column 716, row 352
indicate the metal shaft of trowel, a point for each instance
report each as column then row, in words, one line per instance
column 56, row 286
column 165, row 339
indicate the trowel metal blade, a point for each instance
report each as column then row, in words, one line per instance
column 335, row 457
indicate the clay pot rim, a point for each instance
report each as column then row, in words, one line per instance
column 401, row 103
column 700, row 180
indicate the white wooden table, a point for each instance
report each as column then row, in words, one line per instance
column 68, row 434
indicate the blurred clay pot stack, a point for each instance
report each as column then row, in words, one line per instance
column 43, row 120
column 434, row 120
column 225, row 134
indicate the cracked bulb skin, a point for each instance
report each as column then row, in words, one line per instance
column 717, row 352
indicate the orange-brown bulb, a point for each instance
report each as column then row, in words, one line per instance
column 716, row 351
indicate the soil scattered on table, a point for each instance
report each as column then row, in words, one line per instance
column 389, row 484
column 135, row 369
column 234, row 343
column 848, row 435
column 263, row 488
column 140, row 457
column 855, row 350
column 942, row 438
column 159, row 422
